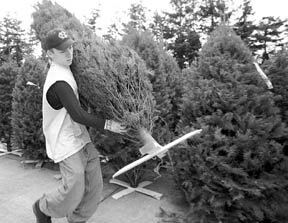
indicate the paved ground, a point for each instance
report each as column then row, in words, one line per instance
column 21, row 185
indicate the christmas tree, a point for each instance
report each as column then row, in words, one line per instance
column 27, row 109
column 8, row 73
column 237, row 170
column 114, row 81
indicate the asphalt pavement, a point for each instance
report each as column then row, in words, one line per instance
column 21, row 184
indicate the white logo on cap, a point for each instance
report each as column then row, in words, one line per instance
column 62, row 35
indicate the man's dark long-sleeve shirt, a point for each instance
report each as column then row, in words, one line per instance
column 60, row 95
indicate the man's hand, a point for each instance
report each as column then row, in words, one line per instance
column 114, row 126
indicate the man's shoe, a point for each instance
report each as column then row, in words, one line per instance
column 40, row 216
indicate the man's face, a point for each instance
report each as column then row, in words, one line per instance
column 62, row 57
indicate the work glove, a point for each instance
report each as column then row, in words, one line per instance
column 114, row 126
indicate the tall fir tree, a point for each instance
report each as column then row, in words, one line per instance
column 180, row 31
column 267, row 37
column 157, row 26
column 244, row 27
column 212, row 13
column 13, row 43
column 113, row 32
column 92, row 20
column 237, row 170
column 137, row 18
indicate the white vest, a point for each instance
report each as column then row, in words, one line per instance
column 63, row 136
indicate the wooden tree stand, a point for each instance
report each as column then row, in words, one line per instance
column 130, row 189
column 4, row 152
column 150, row 150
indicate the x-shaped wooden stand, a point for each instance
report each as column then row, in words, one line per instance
column 150, row 149
column 130, row 189
column 4, row 152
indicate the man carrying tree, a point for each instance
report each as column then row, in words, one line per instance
column 67, row 139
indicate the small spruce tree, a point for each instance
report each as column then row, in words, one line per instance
column 8, row 73
column 27, row 109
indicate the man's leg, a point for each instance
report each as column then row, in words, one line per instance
column 67, row 197
column 93, row 187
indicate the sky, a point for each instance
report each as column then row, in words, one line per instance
column 113, row 10
column 110, row 10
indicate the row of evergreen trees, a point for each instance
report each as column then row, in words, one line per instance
column 181, row 29
column 21, row 107
column 235, row 171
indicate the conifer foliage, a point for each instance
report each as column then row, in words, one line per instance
column 8, row 73
column 49, row 15
column 164, row 76
column 113, row 79
column 277, row 71
column 27, row 111
column 237, row 170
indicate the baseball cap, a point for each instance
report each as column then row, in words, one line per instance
column 58, row 39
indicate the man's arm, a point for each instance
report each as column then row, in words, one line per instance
column 60, row 95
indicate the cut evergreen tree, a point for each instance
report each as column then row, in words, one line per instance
column 49, row 15
column 114, row 80
column 27, row 110
column 237, row 170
